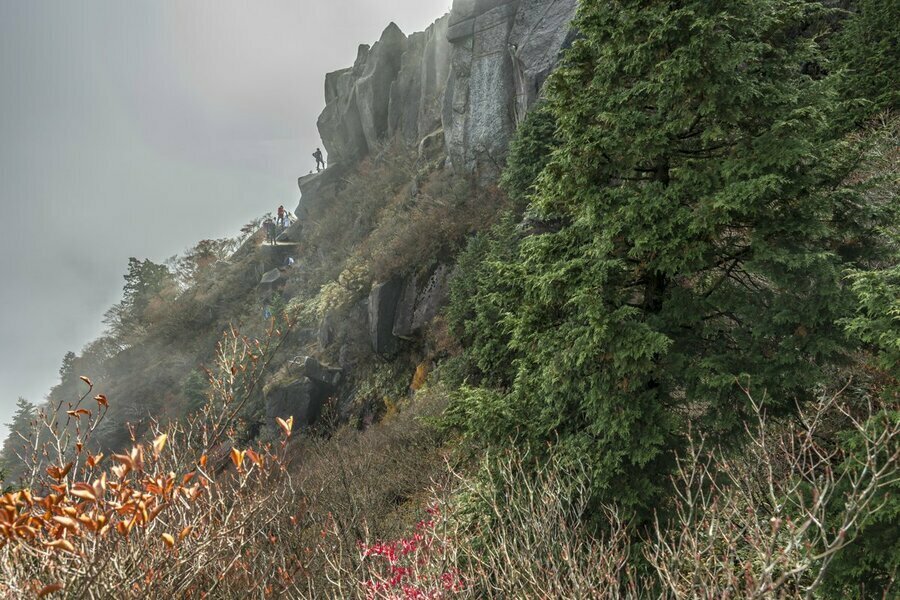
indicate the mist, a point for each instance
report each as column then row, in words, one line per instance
column 141, row 128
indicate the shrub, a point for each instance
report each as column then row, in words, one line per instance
column 167, row 518
column 414, row 232
column 779, row 519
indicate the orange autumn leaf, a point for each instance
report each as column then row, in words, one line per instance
column 67, row 522
column 49, row 589
column 169, row 540
column 88, row 522
column 185, row 532
column 123, row 459
column 57, row 473
column 155, row 512
column 203, row 460
column 254, row 457
column 85, row 492
column 86, row 380
column 237, row 457
column 159, row 443
column 286, row 425
column 61, row 545
column 101, row 400
column 94, row 459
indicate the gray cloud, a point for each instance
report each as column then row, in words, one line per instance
column 139, row 128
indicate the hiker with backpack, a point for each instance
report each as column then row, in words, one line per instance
column 320, row 160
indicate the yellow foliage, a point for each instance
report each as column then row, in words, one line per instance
column 420, row 377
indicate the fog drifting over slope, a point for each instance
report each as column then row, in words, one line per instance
column 139, row 128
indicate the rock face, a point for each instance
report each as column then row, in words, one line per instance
column 339, row 124
column 502, row 53
column 402, row 308
column 316, row 192
column 382, row 306
column 541, row 30
column 306, row 394
column 309, row 367
column 302, row 399
column 420, row 302
column 373, row 88
column 473, row 75
column 271, row 279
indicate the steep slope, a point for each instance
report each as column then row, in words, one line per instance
column 374, row 245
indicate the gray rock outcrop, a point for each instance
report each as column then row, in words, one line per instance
column 301, row 399
column 311, row 368
column 472, row 75
column 382, row 307
column 339, row 124
column 316, row 193
column 373, row 89
column 304, row 395
column 502, row 53
column 541, row 30
column 420, row 301
column 271, row 279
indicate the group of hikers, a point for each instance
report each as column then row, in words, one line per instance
column 275, row 227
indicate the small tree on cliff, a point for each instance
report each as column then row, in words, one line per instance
column 704, row 242
column 144, row 281
column 20, row 426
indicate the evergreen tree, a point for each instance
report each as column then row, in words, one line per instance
column 143, row 282
column 19, row 427
column 484, row 293
column 529, row 153
column 67, row 369
column 704, row 238
column 868, row 49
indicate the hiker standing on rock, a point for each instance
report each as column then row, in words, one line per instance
column 320, row 160
column 281, row 216
column 269, row 226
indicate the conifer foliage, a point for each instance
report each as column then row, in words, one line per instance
column 19, row 430
column 698, row 176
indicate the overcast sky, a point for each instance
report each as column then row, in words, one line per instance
column 139, row 127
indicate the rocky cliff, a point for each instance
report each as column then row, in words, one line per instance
column 452, row 96
column 468, row 80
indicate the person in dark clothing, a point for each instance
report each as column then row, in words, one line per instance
column 269, row 226
column 320, row 160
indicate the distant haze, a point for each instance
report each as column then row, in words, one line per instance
column 139, row 128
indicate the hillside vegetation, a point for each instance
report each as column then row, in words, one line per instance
column 659, row 355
